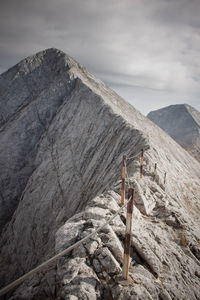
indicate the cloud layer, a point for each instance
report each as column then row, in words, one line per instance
column 147, row 50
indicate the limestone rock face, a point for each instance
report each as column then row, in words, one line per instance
column 62, row 136
column 182, row 123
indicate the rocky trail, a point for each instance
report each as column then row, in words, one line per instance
column 93, row 270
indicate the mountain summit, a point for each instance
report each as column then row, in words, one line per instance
column 63, row 134
column 182, row 123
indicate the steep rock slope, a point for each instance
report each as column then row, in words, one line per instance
column 182, row 123
column 74, row 167
column 31, row 94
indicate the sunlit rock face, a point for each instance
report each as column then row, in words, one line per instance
column 63, row 134
column 182, row 123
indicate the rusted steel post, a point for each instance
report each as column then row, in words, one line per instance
column 154, row 173
column 123, row 179
column 165, row 177
column 141, row 162
column 127, row 242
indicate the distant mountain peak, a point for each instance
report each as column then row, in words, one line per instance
column 182, row 123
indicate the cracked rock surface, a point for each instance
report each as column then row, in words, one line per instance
column 61, row 151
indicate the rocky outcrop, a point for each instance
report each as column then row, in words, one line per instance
column 73, row 185
column 182, row 123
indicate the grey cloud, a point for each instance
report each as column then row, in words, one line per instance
column 178, row 13
column 152, row 44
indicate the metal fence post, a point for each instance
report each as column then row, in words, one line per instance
column 165, row 177
column 154, row 173
column 141, row 162
column 123, row 179
column 127, row 242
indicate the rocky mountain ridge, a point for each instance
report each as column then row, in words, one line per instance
column 66, row 145
column 182, row 123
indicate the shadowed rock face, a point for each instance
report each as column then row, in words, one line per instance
column 30, row 94
column 63, row 133
column 182, row 123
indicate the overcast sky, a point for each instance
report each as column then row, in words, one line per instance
column 146, row 50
